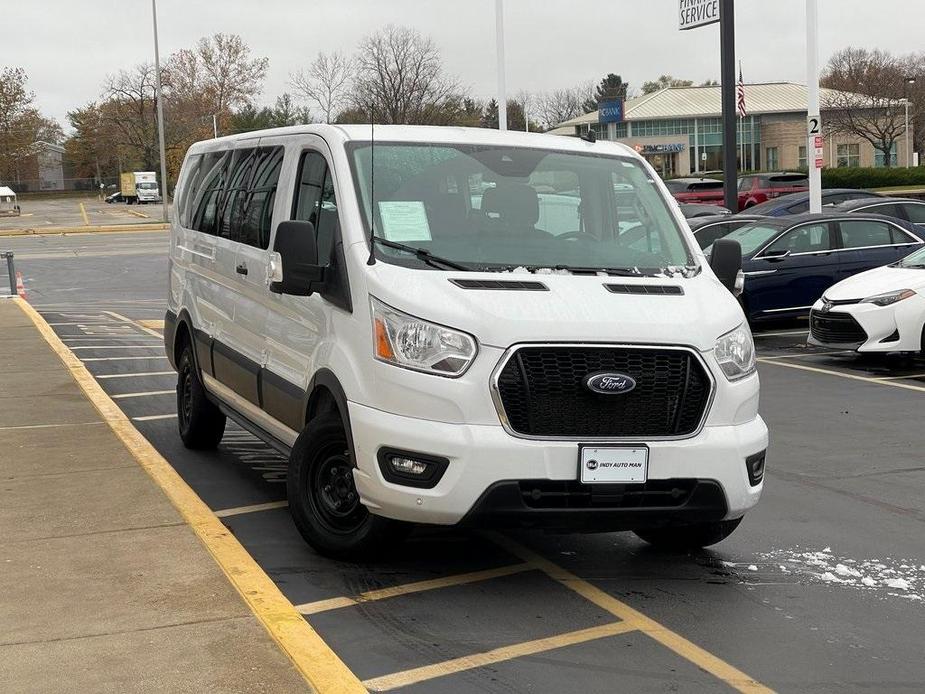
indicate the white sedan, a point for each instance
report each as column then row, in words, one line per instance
column 881, row 310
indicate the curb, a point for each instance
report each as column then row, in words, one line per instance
column 115, row 228
column 318, row 664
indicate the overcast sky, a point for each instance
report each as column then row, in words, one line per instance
column 68, row 47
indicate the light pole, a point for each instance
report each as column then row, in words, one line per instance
column 502, row 89
column 160, row 112
column 906, row 82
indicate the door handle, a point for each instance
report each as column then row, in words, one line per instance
column 241, row 269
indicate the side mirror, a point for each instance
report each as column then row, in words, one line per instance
column 726, row 261
column 297, row 249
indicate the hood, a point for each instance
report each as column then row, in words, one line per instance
column 877, row 281
column 574, row 309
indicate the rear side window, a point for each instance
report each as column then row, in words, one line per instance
column 706, row 185
column 865, row 233
column 257, row 214
column 708, row 234
column 915, row 213
column 889, row 210
column 187, row 187
column 746, row 184
column 205, row 195
column 316, row 201
column 234, row 200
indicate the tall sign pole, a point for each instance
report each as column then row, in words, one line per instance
column 160, row 112
column 502, row 88
column 698, row 13
column 814, row 156
column 727, row 49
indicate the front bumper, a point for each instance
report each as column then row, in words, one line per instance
column 881, row 324
column 482, row 458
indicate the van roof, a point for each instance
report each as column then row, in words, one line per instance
column 430, row 134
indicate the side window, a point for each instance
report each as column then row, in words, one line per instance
column 916, row 213
column 316, row 201
column 208, row 192
column 258, row 210
column 187, row 190
column 711, row 232
column 812, row 238
column 890, row 210
column 864, row 233
column 801, row 207
column 234, row 199
column 900, row 236
column 745, row 184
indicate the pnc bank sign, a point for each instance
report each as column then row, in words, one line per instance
column 697, row 13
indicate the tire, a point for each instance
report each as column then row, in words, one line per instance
column 200, row 422
column 323, row 500
column 686, row 537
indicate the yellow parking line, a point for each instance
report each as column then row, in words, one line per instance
column 313, row 658
column 688, row 650
column 496, row 655
column 83, row 212
column 842, row 374
column 138, row 214
column 153, row 324
column 409, row 588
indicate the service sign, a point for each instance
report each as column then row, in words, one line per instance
column 697, row 13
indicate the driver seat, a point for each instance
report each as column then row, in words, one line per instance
column 517, row 205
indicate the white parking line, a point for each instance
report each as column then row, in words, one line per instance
column 118, row 347
column 153, row 417
column 122, row 396
column 137, row 374
column 899, row 378
column 842, row 374
column 777, row 334
column 794, row 355
column 122, row 358
column 253, row 508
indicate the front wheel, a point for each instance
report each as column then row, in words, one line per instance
column 685, row 537
column 324, row 501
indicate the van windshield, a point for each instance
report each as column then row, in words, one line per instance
column 147, row 186
column 487, row 207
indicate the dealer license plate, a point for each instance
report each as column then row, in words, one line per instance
column 614, row 465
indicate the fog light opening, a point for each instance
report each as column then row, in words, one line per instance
column 411, row 469
column 754, row 465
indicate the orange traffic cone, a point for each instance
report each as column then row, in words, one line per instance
column 20, row 287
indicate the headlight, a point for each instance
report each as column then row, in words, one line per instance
column 888, row 298
column 735, row 352
column 413, row 343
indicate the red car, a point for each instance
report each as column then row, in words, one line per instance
column 696, row 190
column 762, row 187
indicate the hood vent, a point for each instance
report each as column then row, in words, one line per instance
column 650, row 289
column 509, row 285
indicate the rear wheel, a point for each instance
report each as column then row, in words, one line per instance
column 689, row 536
column 201, row 423
column 323, row 499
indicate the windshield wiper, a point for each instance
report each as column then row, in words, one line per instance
column 422, row 254
column 613, row 271
column 914, row 266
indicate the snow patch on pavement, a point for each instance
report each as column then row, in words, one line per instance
column 900, row 578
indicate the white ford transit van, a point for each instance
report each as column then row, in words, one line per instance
column 463, row 326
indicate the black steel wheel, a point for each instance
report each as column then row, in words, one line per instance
column 200, row 422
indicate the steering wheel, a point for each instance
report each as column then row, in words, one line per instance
column 575, row 236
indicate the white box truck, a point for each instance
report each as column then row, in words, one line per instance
column 139, row 187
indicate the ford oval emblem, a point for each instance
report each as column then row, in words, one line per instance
column 610, row 383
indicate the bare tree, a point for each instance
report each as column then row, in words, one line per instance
column 21, row 124
column 129, row 112
column 227, row 73
column 864, row 97
column 326, row 83
column 559, row 105
column 400, row 77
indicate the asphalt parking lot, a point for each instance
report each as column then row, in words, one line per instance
column 45, row 213
column 822, row 589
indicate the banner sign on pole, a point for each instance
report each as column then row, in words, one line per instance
column 697, row 13
column 610, row 111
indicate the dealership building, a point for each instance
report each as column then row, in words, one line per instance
column 679, row 130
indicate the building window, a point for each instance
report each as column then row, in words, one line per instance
column 772, row 159
column 802, row 158
column 848, row 156
column 620, row 130
column 879, row 159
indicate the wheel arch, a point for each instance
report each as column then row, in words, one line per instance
column 326, row 394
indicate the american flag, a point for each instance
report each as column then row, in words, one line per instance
column 740, row 95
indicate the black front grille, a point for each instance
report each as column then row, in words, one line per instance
column 836, row 328
column 543, row 392
column 651, row 289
